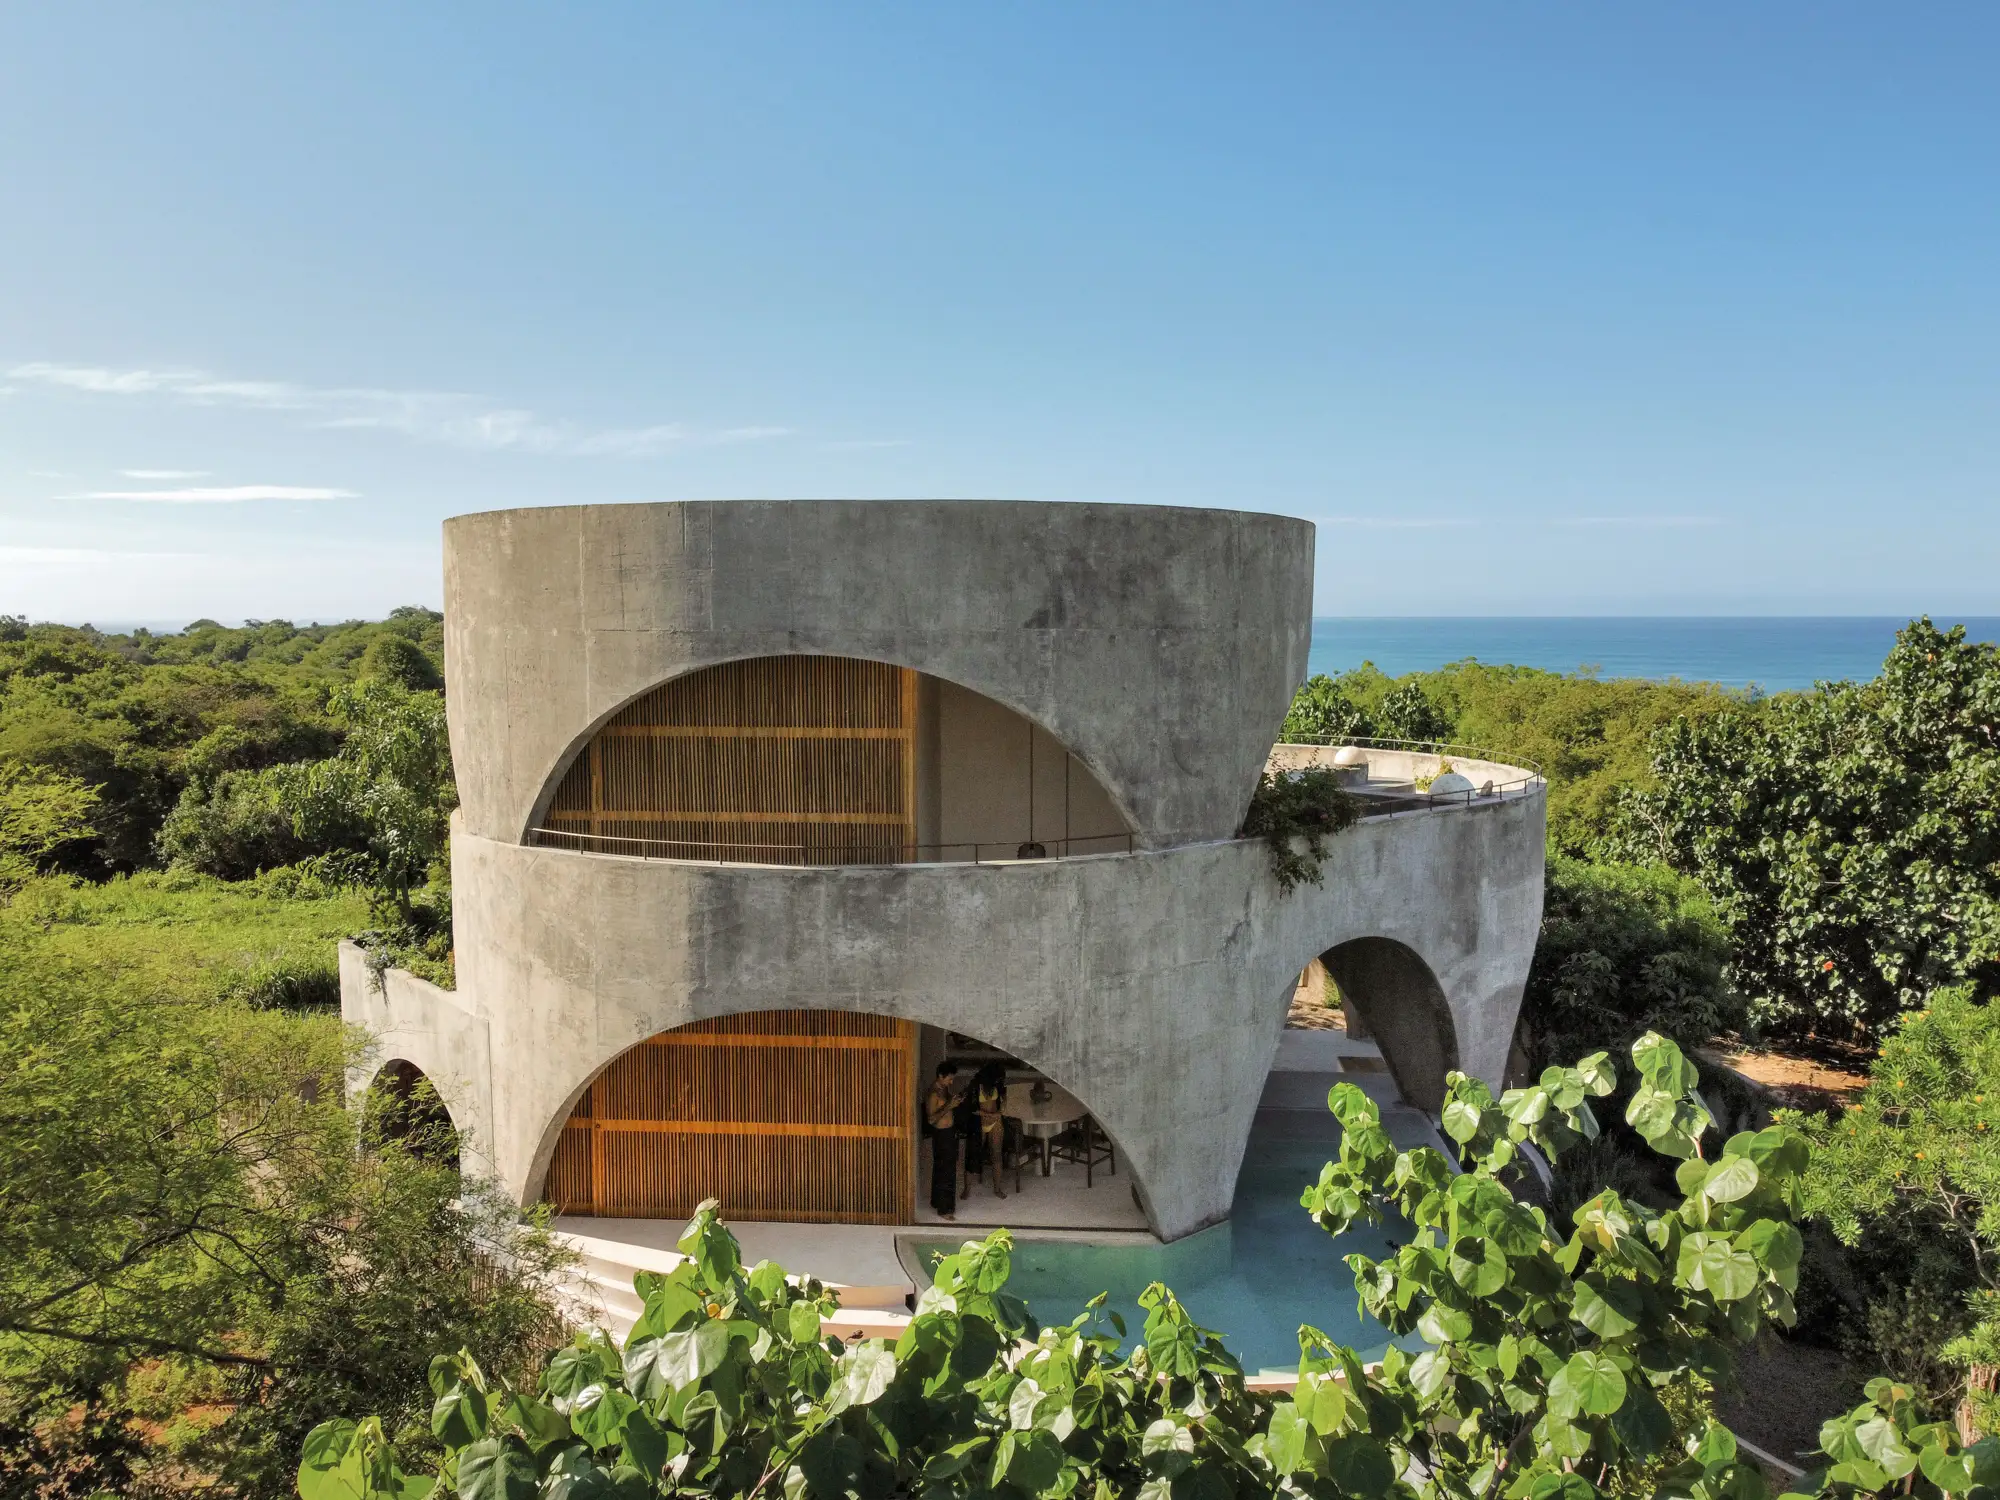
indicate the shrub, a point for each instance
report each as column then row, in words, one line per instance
column 1910, row 1176
column 1290, row 808
column 233, row 827
column 291, row 981
column 1624, row 949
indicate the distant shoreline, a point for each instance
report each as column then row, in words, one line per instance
column 1776, row 653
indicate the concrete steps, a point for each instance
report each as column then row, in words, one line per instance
column 597, row 1291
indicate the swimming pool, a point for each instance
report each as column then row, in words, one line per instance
column 1253, row 1279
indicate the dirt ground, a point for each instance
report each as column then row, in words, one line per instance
column 1785, row 1390
column 1310, row 1008
column 1794, row 1080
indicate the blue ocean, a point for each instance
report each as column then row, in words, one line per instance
column 1776, row 654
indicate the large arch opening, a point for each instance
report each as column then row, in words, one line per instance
column 818, row 1116
column 402, row 1106
column 827, row 760
column 1399, row 1003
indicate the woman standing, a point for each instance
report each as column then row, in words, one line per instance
column 941, row 1114
column 990, row 1098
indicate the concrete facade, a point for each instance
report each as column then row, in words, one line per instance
column 1158, row 647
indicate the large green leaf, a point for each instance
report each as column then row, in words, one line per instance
column 1730, row 1178
column 648, row 1445
column 459, row 1416
column 1880, row 1439
column 1607, row 1307
column 1460, row 1120
column 1710, row 1263
column 1478, row 1265
column 655, row 1366
column 1642, row 1424
column 1360, row 1465
column 866, row 1371
column 498, row 1468
column 1445, row 1325
column 1287, row 1437
column 1588, row 1385
column 598, row 1413
column 1662, row 1064
column 1168, row 1447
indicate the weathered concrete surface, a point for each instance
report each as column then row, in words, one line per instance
column 1152, row 985
column 1160, row 645
column 412, row 1020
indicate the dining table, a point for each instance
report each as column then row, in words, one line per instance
column 1042, row 1120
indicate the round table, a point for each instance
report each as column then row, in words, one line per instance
column 1042, row 1122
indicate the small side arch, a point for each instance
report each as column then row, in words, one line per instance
column 402, row 1105
column 1402, row 1004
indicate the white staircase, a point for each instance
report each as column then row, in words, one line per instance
column 597, row 1291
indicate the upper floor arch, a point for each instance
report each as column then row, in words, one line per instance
column 825, row 760
column 1158, row 646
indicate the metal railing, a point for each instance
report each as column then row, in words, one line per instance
column 1390, row 798
column 861, row 852
column 1380, row 800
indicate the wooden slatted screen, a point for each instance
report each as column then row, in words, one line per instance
column 802, row 1115
column 780, row 760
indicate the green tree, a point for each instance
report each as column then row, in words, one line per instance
column 182, row 1207
column 1409, row 713
column 1910, row 1175
column 1555, row 1367
column 1850, row 836
column 1322, row 712
column 403, row 662
column 1624, row 949
column 40, row 811
column 388, row 791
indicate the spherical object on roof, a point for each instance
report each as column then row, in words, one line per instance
column 1350, row 755
column 1450, row 781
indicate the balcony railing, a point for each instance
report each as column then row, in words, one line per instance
column 1382, row 797
column 869, row 852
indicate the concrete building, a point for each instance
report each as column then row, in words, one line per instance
column 764, row 806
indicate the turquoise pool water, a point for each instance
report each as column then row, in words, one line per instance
column 1254, row 1279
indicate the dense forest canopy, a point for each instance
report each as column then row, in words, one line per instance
column 139, row 717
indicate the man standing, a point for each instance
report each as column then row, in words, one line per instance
column 941, row 1114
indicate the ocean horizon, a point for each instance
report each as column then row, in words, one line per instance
column 1775, row 653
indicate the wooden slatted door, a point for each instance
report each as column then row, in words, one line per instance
column 780, row 760
column 801, row 1115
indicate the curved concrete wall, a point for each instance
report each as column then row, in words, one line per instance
column 1153, row 985
column 1160, row 645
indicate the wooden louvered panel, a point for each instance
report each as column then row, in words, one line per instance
column 798, row 1115
column 781, row 760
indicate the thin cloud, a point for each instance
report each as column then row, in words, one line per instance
column 226, row 495
column 1396, row 523
column 458, row 418
column 82, row 555
column 165, row 473
column 1646, row 521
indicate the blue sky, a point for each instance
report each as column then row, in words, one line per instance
column 1534, row 309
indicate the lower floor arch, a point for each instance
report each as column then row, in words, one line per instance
column 800, row 1115
column 1401, row 1004
column 817, row 1116
column 403, row 1106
